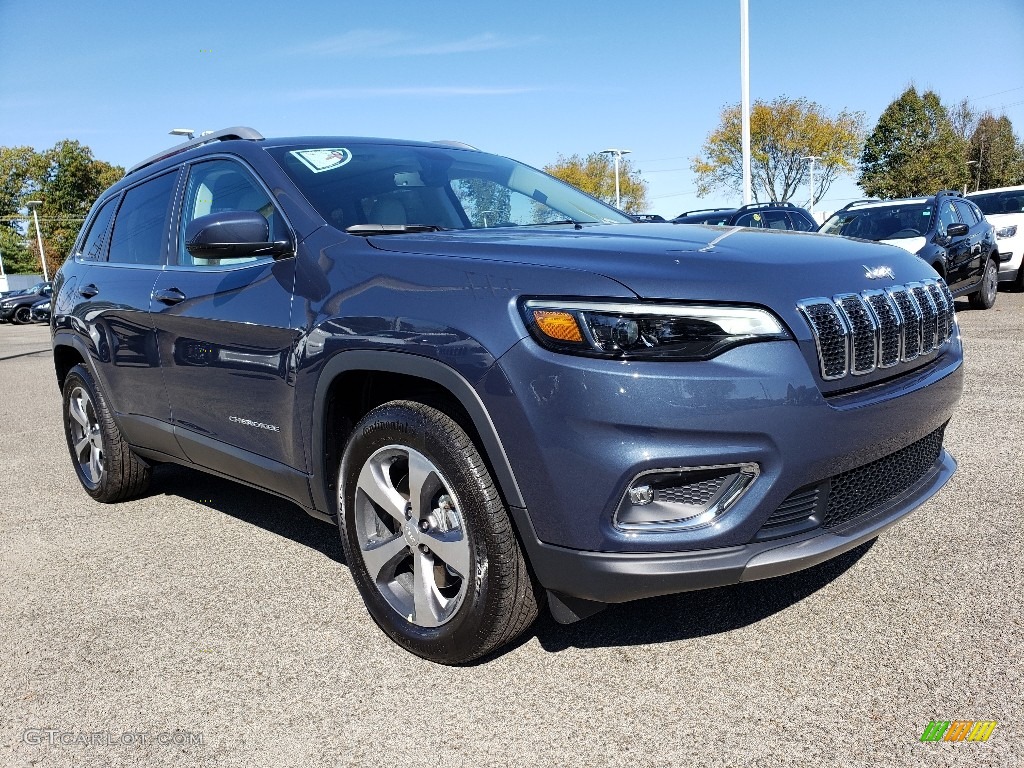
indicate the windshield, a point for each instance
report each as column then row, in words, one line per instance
column 444, row 187
column 884, row 222
column 1011, row 201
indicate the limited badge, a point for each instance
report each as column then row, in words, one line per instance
column 320, row 160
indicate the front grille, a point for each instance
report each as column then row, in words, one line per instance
column 856, row 492
column 855, row 334
column 865, row 488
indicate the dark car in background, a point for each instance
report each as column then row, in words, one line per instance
column 757, row 215
column 502, row 392
column 946, row 230
column 17, row 308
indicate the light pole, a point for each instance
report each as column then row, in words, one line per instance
column 186, row 132
column 969, row 164
column 34, row 206
column 617, row 154
column 812, row 159
column 745, row 99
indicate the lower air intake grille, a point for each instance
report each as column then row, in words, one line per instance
column 856, row 492
column 861, row 490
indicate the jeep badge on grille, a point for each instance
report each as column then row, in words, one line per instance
column 877, row 273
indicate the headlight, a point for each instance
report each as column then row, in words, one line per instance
column 1005, row 232
column 644, row 331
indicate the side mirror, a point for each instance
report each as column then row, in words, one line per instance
column 233, row 235
column 957, row 230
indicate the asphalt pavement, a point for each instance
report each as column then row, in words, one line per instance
column 211, row 624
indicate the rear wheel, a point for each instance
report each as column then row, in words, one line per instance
column 106, row 466
column 427, row 537
column 985, row 296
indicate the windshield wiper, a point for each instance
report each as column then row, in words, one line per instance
column 392, row 229
column 577, row 224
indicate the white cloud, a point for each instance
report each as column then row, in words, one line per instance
column 327, row 94
column 385, row 43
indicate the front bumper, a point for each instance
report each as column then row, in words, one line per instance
column 616, row 577
column 581, row 430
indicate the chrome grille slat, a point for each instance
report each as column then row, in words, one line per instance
column 864, row 333
column 929, row 316
column 855, row 334
column 911, row 313
column 890, row 325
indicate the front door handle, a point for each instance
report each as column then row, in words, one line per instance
column 169, row 296
column 88, row 291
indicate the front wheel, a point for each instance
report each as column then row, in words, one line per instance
column 427, row 537
column 985, row 296
column 23, row 315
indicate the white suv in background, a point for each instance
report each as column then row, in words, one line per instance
column 1004, row 207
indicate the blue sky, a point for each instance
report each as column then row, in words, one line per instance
column 525, row 79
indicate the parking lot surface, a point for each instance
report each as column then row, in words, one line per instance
column 212, row 624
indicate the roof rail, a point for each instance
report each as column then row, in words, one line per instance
column 704, row 210
column 225, row 134
column 863, row 200
column 456, row 144
column 773, row 204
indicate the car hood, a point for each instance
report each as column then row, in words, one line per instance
column 684, row 261
column 908, row 244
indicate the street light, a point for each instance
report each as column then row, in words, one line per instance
column 189, row 132
column 969, row 164
column 617, row 154
column 34, row 207
column 812, row 159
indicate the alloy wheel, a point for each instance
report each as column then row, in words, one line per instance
column 412, row 535
column 86, row 438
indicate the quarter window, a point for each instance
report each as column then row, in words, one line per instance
column 140, row 227
column 95, row 246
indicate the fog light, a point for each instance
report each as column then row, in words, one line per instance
column 642, row 494
column 687, row 497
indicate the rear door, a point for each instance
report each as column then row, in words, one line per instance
column 113, row 296
column 225, row 340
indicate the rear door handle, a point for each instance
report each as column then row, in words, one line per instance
column 169, row 296
column 88, row 291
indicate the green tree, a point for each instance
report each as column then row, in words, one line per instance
column 782, row 133
column 14, row 171
column 914, row 150
column 595, row 175
column 996, row 153
column 67, row 179
column 485, row 202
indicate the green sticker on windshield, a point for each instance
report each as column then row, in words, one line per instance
column 320, row 160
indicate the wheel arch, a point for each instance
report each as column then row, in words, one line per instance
column 374, row 376
column 68, row 351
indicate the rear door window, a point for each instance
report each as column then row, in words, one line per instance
column 140, row 228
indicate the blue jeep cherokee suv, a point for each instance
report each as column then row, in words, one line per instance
column 503, row 391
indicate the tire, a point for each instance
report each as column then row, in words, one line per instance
column 445, row 579
column 106, row 466
column 1018, row 284
column 23, row 315
column 985, row 297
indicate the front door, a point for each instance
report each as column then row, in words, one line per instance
column 225, row 340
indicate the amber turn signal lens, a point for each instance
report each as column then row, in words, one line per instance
column 557, row 325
